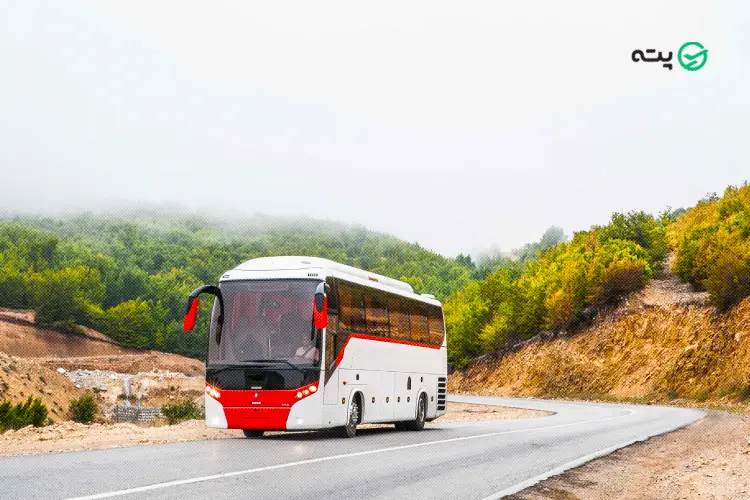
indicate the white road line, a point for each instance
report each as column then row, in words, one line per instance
column 180, row 482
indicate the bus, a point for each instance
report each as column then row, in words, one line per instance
column 303, row 343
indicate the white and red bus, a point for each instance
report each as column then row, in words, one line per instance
column 299, row 343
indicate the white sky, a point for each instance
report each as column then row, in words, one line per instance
column 455, row 124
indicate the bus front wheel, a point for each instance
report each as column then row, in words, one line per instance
column 249, row 433
column 355, row 412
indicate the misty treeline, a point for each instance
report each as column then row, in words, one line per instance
column 571, row 281
column 130, row 279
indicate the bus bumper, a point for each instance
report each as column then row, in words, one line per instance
column 302, row 415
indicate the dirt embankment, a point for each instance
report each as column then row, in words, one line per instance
column 58, row 367
column 21, row 378
column 662, row 344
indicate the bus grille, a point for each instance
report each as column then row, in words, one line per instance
column 442, row 389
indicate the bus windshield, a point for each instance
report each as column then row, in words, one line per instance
column 265, row 321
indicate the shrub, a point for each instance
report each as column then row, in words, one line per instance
column 184, row 410
column 642, row 229
column 712, row 246
column 31, row 412
column 84, row 409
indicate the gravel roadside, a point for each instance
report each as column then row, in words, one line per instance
column 708, row 460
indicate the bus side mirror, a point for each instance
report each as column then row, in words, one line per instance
column 191, row 312
column 320, row 308
column 191, row 308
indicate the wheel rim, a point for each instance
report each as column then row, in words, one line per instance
column 353, row 416
column 421, row 411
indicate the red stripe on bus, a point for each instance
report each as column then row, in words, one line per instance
column 381, row 339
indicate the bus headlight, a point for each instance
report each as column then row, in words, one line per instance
column 213, row 392
column 306, row 391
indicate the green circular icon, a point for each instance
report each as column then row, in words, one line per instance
column 694, row 58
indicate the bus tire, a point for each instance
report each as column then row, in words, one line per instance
column 250, row 433
column 355, row 416
column 418, row 423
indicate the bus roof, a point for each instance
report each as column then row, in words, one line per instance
column 330, row 268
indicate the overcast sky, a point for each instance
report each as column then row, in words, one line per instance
column 455, row 124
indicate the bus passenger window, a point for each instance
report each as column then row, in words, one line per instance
column 377, row 316
column 419, row 327
column 399, row 319
column 437, row 329
column 351, row 306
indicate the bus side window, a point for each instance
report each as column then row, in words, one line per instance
column 377, row 315
column 437, row 328
column 420, row 331
column 399, row 318
column 351, row 307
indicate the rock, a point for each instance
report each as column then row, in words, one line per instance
column 61, row 371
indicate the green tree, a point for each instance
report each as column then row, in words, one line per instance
column 132, row 324
column 68, row 294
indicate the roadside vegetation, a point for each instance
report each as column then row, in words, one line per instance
column 30, row 412
column 712, row 246
column 84, row 409
column 181, row 411
column 556, row 289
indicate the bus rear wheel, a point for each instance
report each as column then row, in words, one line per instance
column 249, row 433
column 418, row 423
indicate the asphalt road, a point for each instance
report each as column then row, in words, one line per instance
column 469, row 460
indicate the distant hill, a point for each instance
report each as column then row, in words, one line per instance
column 128, row 275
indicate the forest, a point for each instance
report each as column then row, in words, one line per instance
column 128, row 276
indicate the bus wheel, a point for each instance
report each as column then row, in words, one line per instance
column 418, row 423
column 350, row 429
column 252, row 433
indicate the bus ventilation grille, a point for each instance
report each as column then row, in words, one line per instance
column 442, row 389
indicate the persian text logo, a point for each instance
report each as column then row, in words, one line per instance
column 692, row 56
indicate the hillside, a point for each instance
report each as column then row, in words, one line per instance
column 663, row 343
column 128, row 276
column 58, row 367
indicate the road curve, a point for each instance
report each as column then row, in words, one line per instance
column 467, row 460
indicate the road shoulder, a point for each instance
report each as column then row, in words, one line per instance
column 708, row 459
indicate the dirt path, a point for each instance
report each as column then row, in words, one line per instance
column 708, row 460
column 70, row 436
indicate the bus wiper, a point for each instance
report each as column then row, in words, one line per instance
column 273, row 361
